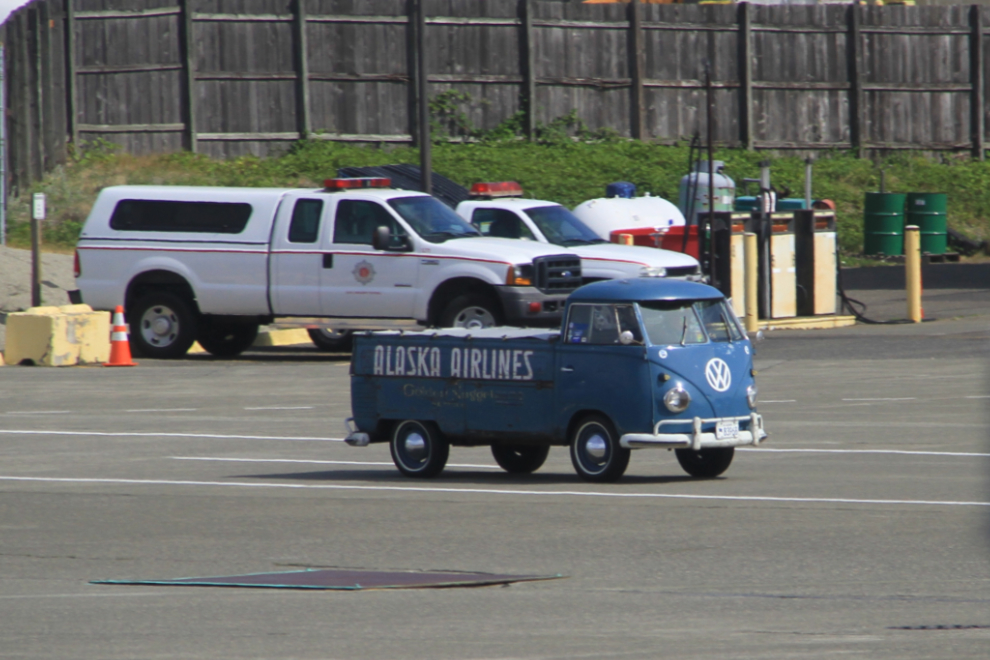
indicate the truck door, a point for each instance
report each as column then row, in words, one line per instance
column 297, row 261
column 596, row 372
column 362, row 281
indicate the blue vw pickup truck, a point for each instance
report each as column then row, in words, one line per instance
column 637, row 363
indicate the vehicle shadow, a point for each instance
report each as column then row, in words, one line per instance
column 484, row 479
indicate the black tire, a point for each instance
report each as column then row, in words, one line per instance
column 419, row 449
column 520, row 459
column 707, row 463
column 225, row 339
column 332, row 340
column 471, row 310
column 163, row 325
column 595, row 451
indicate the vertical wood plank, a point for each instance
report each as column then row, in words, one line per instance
column 37, row 62
column 425, row 152
column 189, row 73
column 527, row 62
column 976, row 77
column 412, row 66
column 302, row 70
column 746, row 76
column 636, row 66
column 857, row 98
column 71, row 99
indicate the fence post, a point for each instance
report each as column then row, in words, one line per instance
column 527, row 62
column 636, row 66
column 189, row 71
column 746, row 75
column 856, row 100
column 423, row 85
column 302, row 70
column 976, row 76
column 71, row 101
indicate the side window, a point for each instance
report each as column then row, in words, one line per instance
column 168, row 215
column 715, row 322
column 305, row 225
column 500, row 224
column 592, row 324
column 356, row 221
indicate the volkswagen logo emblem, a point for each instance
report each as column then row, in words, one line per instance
column 718, row 375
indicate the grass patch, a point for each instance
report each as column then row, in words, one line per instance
column 553, row 168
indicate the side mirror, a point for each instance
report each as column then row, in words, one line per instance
column 626, row 338
column 381, row 238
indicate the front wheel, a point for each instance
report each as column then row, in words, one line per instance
column 328, row 339
column 520, row 459
column 471, row 310
column 706, row 463
column 419, row 449
column 595, row 450
column 224, row 339
column 163, row 325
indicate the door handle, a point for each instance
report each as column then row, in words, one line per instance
column 328, row 260
column 567, row 369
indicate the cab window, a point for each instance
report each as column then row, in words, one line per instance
column 500, row 223
column 671, row 322
column 305, row 225
column 600, row 324
column 356, row 221
column 720, row 324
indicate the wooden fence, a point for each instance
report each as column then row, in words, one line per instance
column 228, row 77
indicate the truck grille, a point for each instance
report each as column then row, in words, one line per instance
column 557, row 274
column 682, row 271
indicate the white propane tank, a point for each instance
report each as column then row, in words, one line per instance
column 697, row 183
column 605, row 215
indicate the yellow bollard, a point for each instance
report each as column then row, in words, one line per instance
column 751, row 250
column 625, row 239
column 912, row 271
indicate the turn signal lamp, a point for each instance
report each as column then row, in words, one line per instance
column 332, row 185
column 497, row 189
column 519, row 275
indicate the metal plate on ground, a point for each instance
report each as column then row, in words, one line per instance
column 344, row 579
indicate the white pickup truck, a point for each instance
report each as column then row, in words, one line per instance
column 212, row 264
column 498, row 210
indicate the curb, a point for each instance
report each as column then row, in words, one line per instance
column 808, row 323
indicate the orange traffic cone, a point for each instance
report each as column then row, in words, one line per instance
column 120, row 347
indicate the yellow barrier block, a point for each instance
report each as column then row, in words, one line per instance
column 58, row 336
column 288, row 337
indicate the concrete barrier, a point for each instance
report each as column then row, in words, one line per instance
column 58, row 336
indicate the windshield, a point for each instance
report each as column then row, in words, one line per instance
column 689, row 322
column 432, row 219
column 561, row 227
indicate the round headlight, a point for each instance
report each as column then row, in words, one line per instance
column 677, row 399
column 751, row 393
column 653, row 271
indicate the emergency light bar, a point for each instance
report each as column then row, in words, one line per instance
column 497, row 189
column 363, row 182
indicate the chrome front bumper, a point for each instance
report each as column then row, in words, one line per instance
column 696, row 439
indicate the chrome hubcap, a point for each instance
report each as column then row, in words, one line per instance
column 415, row 446
column 596, row 448
column 159, row 326
column 474, row 318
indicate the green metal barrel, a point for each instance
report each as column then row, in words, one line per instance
column 928, row 212
column 883, row 224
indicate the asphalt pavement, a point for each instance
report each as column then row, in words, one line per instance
column 859, row 530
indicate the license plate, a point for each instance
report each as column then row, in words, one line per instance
column 726, row 429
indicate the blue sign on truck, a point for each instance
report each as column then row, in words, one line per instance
column 637, row 363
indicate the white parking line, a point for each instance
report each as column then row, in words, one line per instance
column 292, row 460
column 906, row 452
column 39, row 412
column 157, row 410
column 906, row 398
column 780, row 401
column 500, row 491
column 981, row 396
column 280, row 408
column 207, row 436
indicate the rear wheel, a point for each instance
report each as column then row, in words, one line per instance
column 520, row 459
column 472, row 311
column 328, row 339
column 226, row 339
column 706, row 463
column 595, row 451
column 163, row 325
column 419, row 449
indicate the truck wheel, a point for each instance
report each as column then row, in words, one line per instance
column 327, row 339
column 470, row 310
column 707, row 463
column 226, row 339
column 520, row 459
column 163, row 325
column 418, row 449
column 595, row 450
